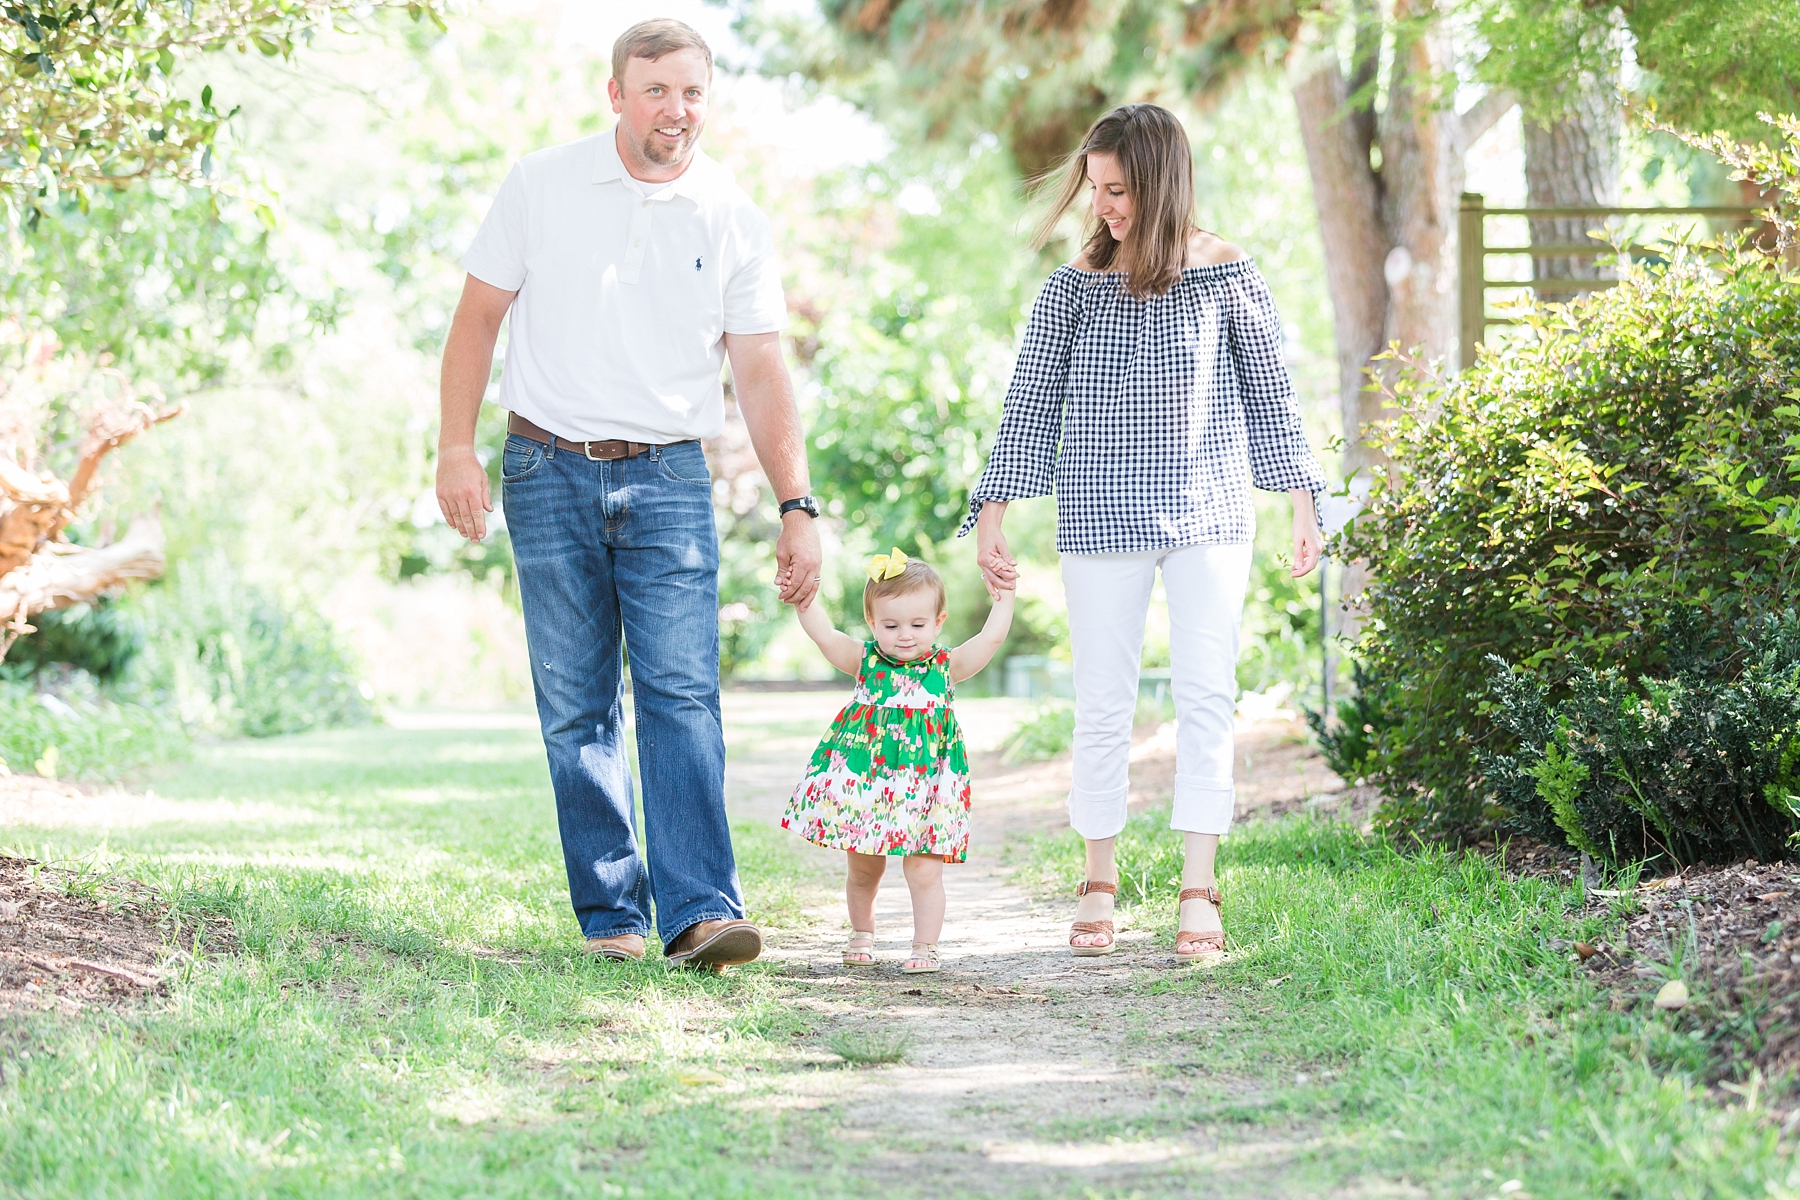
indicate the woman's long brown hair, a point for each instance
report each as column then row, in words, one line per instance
column 1153, row 154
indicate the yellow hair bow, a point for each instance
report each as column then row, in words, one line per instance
column 886, row 566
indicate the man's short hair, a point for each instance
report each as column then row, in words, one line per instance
column 654, row 38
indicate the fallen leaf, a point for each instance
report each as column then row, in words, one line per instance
column 10, row 909
column 700, row 1078
column 1672, row 995
column 1278, row 981
column 1772, row 897
column 1585, row 951
column 1610, row 893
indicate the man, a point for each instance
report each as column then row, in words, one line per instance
column 632, row 266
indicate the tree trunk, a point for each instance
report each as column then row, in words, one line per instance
column 1572, row 159
column 38, row 570
column 1347, row 194
column 1422, row 172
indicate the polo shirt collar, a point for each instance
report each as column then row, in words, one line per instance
column 608, row 168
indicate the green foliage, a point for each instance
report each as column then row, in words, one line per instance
column 1559, row 777
column 1716, row 66
column 101, row 639
column 1365, row 714
column 906, row 382
column 81, row 736
column 169, row 281
column 1550, row 504
column 1698, row 764
column 89, row 90
column 235, row 658
column 1045, row 734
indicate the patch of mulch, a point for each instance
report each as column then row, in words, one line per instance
column 1736, row 931
column 66, row 945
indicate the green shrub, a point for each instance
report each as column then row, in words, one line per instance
column 77, row 736
column 236, row 659
column 1044, row 734
column 1553, row 503
column 100, row 639
column 1700, row 765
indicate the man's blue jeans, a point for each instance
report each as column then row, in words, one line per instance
column 623, row 555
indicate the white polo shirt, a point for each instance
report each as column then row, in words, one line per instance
column 626, row 291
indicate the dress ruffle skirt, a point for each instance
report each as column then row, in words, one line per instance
column 891, row 775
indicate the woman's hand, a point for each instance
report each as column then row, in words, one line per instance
column 1309, row 542
column 998, row 570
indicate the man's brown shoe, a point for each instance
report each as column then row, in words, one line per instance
column 620, row 947
column 710, row 945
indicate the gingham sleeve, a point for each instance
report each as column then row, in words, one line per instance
column 1023, row 460
column 1281, row 459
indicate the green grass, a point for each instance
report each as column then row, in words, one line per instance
column 1413, row 1008
column 410, row 1013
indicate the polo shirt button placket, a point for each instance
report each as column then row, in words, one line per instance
column 633, row 267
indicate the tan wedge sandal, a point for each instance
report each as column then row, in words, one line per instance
column 1091, row 927
column 1209, row 945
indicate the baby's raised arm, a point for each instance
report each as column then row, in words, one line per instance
column 974, row 654
column 840, row 649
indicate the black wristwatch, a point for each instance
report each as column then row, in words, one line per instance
column 805, row 504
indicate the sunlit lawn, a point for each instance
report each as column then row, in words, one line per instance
column 1421, row 1016
column 410, row 1013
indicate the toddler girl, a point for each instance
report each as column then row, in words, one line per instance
column 891, row 776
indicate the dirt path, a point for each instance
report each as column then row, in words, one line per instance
column 1016, row 1048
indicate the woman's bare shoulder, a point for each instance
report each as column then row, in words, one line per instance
column 1209, row 250
column 1080, row 262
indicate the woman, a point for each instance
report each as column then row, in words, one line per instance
column 1149, row 394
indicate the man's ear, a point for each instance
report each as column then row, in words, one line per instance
column 616, row 93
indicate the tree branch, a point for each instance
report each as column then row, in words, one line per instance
column 1485, row 113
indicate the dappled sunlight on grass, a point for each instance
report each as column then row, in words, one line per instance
column 1420, row 1003
column 410, row 968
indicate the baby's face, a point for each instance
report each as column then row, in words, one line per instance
column 906, row 625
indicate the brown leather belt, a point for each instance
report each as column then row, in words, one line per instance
column 608, row 450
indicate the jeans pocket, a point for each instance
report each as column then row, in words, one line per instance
column 685, row 462
column 520, row 459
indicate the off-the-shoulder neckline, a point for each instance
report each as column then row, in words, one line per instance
column 1221, row 268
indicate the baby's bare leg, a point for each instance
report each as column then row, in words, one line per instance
column 860, row 886
column 925, row 880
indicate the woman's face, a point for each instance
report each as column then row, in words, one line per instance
column 1112, row 203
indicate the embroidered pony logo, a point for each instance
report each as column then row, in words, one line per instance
column 698, row 262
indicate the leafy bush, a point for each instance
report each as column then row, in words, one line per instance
column 100, row 639
column 1044, row 734
column 236, row 659
column 1701, row 765
column 83, row 736
column 1551, row 504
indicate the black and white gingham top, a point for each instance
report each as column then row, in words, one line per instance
column 1150, row 419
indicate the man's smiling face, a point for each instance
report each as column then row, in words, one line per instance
column 662, row 109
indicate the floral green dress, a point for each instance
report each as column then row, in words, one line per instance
column 891, row 776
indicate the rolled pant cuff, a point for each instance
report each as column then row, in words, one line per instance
column 1202, row 806
column 1097, row 815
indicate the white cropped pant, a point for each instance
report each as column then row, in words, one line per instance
column 1108, row 597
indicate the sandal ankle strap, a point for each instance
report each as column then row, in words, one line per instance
column 1210, row 894
column 1097, row 885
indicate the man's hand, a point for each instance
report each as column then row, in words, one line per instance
column 797, row 560
column 998, row 570
column 462, row 491
column 462, row 483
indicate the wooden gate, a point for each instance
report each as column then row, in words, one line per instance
column 1473, row 252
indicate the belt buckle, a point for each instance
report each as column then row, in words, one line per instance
column 587, row 448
